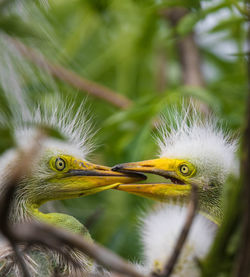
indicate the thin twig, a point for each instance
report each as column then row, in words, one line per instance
column 20, row 259
column 189, row 55
column 192, row 207
column 187, row 50
column 161, row 75
column 20, row 168
column 72, row 78
column 37, row 233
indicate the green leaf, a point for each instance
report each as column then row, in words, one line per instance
column 187, row 22
column 5, row 3
column 232, row 22
column 14, row 26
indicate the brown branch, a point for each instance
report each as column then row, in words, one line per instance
column 161, row 66
column 41, row 234
column 187, row 50
column 96, row 274
column 73, row 79
column 101, row 274
column 19, row 258
column 243, row 260
column 37, row 233
column 192, row 207
column 189, row 55
column 19, row 169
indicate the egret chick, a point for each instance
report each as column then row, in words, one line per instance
column 193, row 150
column 60, row 171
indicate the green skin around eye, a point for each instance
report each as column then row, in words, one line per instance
column 55, row 164
column 186, row 170
column 209, row 197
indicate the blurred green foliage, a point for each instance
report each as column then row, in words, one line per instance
column 121, row 44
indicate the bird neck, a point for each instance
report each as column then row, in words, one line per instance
column 60, row 220
column 23, row 210
column 211, row 204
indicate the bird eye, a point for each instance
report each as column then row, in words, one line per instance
column 184, row 169
column 60, row 164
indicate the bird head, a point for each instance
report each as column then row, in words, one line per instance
column 193, row 150
column 60, row 172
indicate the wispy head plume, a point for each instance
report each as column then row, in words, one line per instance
column 72, row 123
column 17, row 79
column 186, row 134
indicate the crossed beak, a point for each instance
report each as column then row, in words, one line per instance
column 84, row 178
column 161, row 191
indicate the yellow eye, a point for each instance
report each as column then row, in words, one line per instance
column 184, row 169
column 60, row 164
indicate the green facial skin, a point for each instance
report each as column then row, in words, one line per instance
column 183, row 174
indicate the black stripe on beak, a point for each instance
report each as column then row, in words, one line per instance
column 78, row 172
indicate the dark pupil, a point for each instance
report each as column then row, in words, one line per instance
column 184, row 169
column 60, row 164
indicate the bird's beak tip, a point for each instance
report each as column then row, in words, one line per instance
column 127, row 173
column 142, row 167
column 117, row 167
column 140, row 176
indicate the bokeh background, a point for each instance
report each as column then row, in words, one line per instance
column 153, row 53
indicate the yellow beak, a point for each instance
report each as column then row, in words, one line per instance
column 81, row 178
column 161, row 191
column 97, row 178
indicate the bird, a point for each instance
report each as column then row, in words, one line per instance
column 193, row 150
column 60, row 171
column 159, row 231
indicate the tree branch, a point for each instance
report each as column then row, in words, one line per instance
column 72, row 78
column 37, row 233
column 189, row 55
column 161, row 78
column 20, row 168
column 192, row 208
column 187, row 50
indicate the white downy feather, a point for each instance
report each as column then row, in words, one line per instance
column 160, row 230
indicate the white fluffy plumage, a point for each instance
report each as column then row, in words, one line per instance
column 160, row 230
column 202, row 141
column 71, row 125
column 69, row 121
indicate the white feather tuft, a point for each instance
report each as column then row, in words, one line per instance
column 56, row 113
column 160, row 230
column 201, row 141
column 70, row 122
